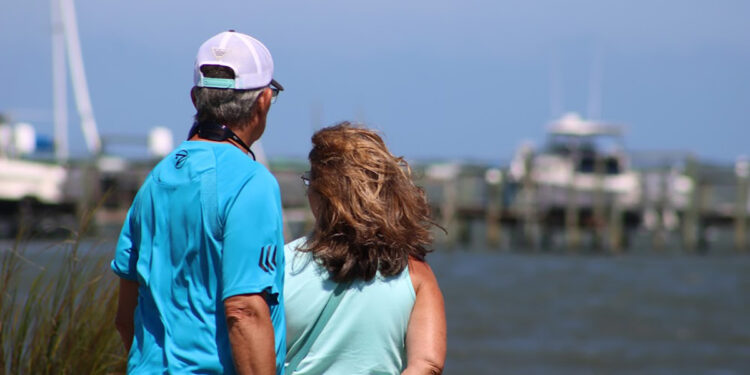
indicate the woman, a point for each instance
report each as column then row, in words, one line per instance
column 359, row 297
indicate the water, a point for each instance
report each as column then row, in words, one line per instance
column 639, row 313
column 561, row 314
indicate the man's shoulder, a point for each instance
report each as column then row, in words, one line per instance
column 235, row 168
column 250, row 173
column 249, row 179
column 232, row 161
column 188, row 159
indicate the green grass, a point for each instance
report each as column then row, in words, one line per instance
column 63, row 321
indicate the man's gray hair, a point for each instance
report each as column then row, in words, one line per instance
column 233, row 108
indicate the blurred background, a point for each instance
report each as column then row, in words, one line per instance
column 587, row 158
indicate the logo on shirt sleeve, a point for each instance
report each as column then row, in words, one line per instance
column 267, row 258
column 179, row 158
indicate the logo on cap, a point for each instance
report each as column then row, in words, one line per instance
column 218, row 52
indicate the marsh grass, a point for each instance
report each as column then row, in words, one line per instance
column 62, row 322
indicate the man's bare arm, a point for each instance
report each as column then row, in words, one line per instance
column 251, row 334
column 426, row 333
column 126, row 303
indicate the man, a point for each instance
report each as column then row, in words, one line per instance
column 200, row 255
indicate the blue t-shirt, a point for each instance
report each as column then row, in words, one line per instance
column 206, row 225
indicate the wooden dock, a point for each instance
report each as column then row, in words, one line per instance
column 524, row 215
column 481, row 207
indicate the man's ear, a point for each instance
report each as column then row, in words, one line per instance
column 264, row 100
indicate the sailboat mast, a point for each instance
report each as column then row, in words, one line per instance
column 59, row 84
column 78, row 77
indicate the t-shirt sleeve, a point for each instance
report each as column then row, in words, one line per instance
column 126, row 251
column 251, row 240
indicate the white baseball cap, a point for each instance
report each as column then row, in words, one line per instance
column 245, row 55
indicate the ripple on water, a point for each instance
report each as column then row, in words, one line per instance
column 556, row 314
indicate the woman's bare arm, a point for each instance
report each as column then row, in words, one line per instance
column 126, row 303
column 426, row 334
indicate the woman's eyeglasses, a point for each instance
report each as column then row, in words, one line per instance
column 305, row 179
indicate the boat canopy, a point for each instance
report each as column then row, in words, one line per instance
column 571, row 124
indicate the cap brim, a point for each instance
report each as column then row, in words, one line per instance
column 277, row 85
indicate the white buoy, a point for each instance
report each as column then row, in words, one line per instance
column 24, row 138
column 160, row 141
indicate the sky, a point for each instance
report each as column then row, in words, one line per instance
column 439, row 79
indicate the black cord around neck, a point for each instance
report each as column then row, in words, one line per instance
column 217, row 132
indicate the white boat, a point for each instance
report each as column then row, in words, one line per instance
column 26, row 179
column 580, row 155
column 583, row 174
column 39, row 191
column 31, row 190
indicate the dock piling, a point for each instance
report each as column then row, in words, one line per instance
column 692, row 214
column 530, row 229
column 600, row 224
column 494, row 179
column 742, row 170
column 572, row 212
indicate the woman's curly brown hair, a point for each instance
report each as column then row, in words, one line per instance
column 370, row 217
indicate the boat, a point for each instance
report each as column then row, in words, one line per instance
column 41, row 194
column 580, row 155
column 34, row 194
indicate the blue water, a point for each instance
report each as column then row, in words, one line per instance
column 565, row 314
column 538, row 313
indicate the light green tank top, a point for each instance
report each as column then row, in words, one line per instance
column 365, row 334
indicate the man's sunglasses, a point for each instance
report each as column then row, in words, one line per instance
column 275, row 89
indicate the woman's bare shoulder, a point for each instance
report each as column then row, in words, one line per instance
column 421, row 274
column 426, row 334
